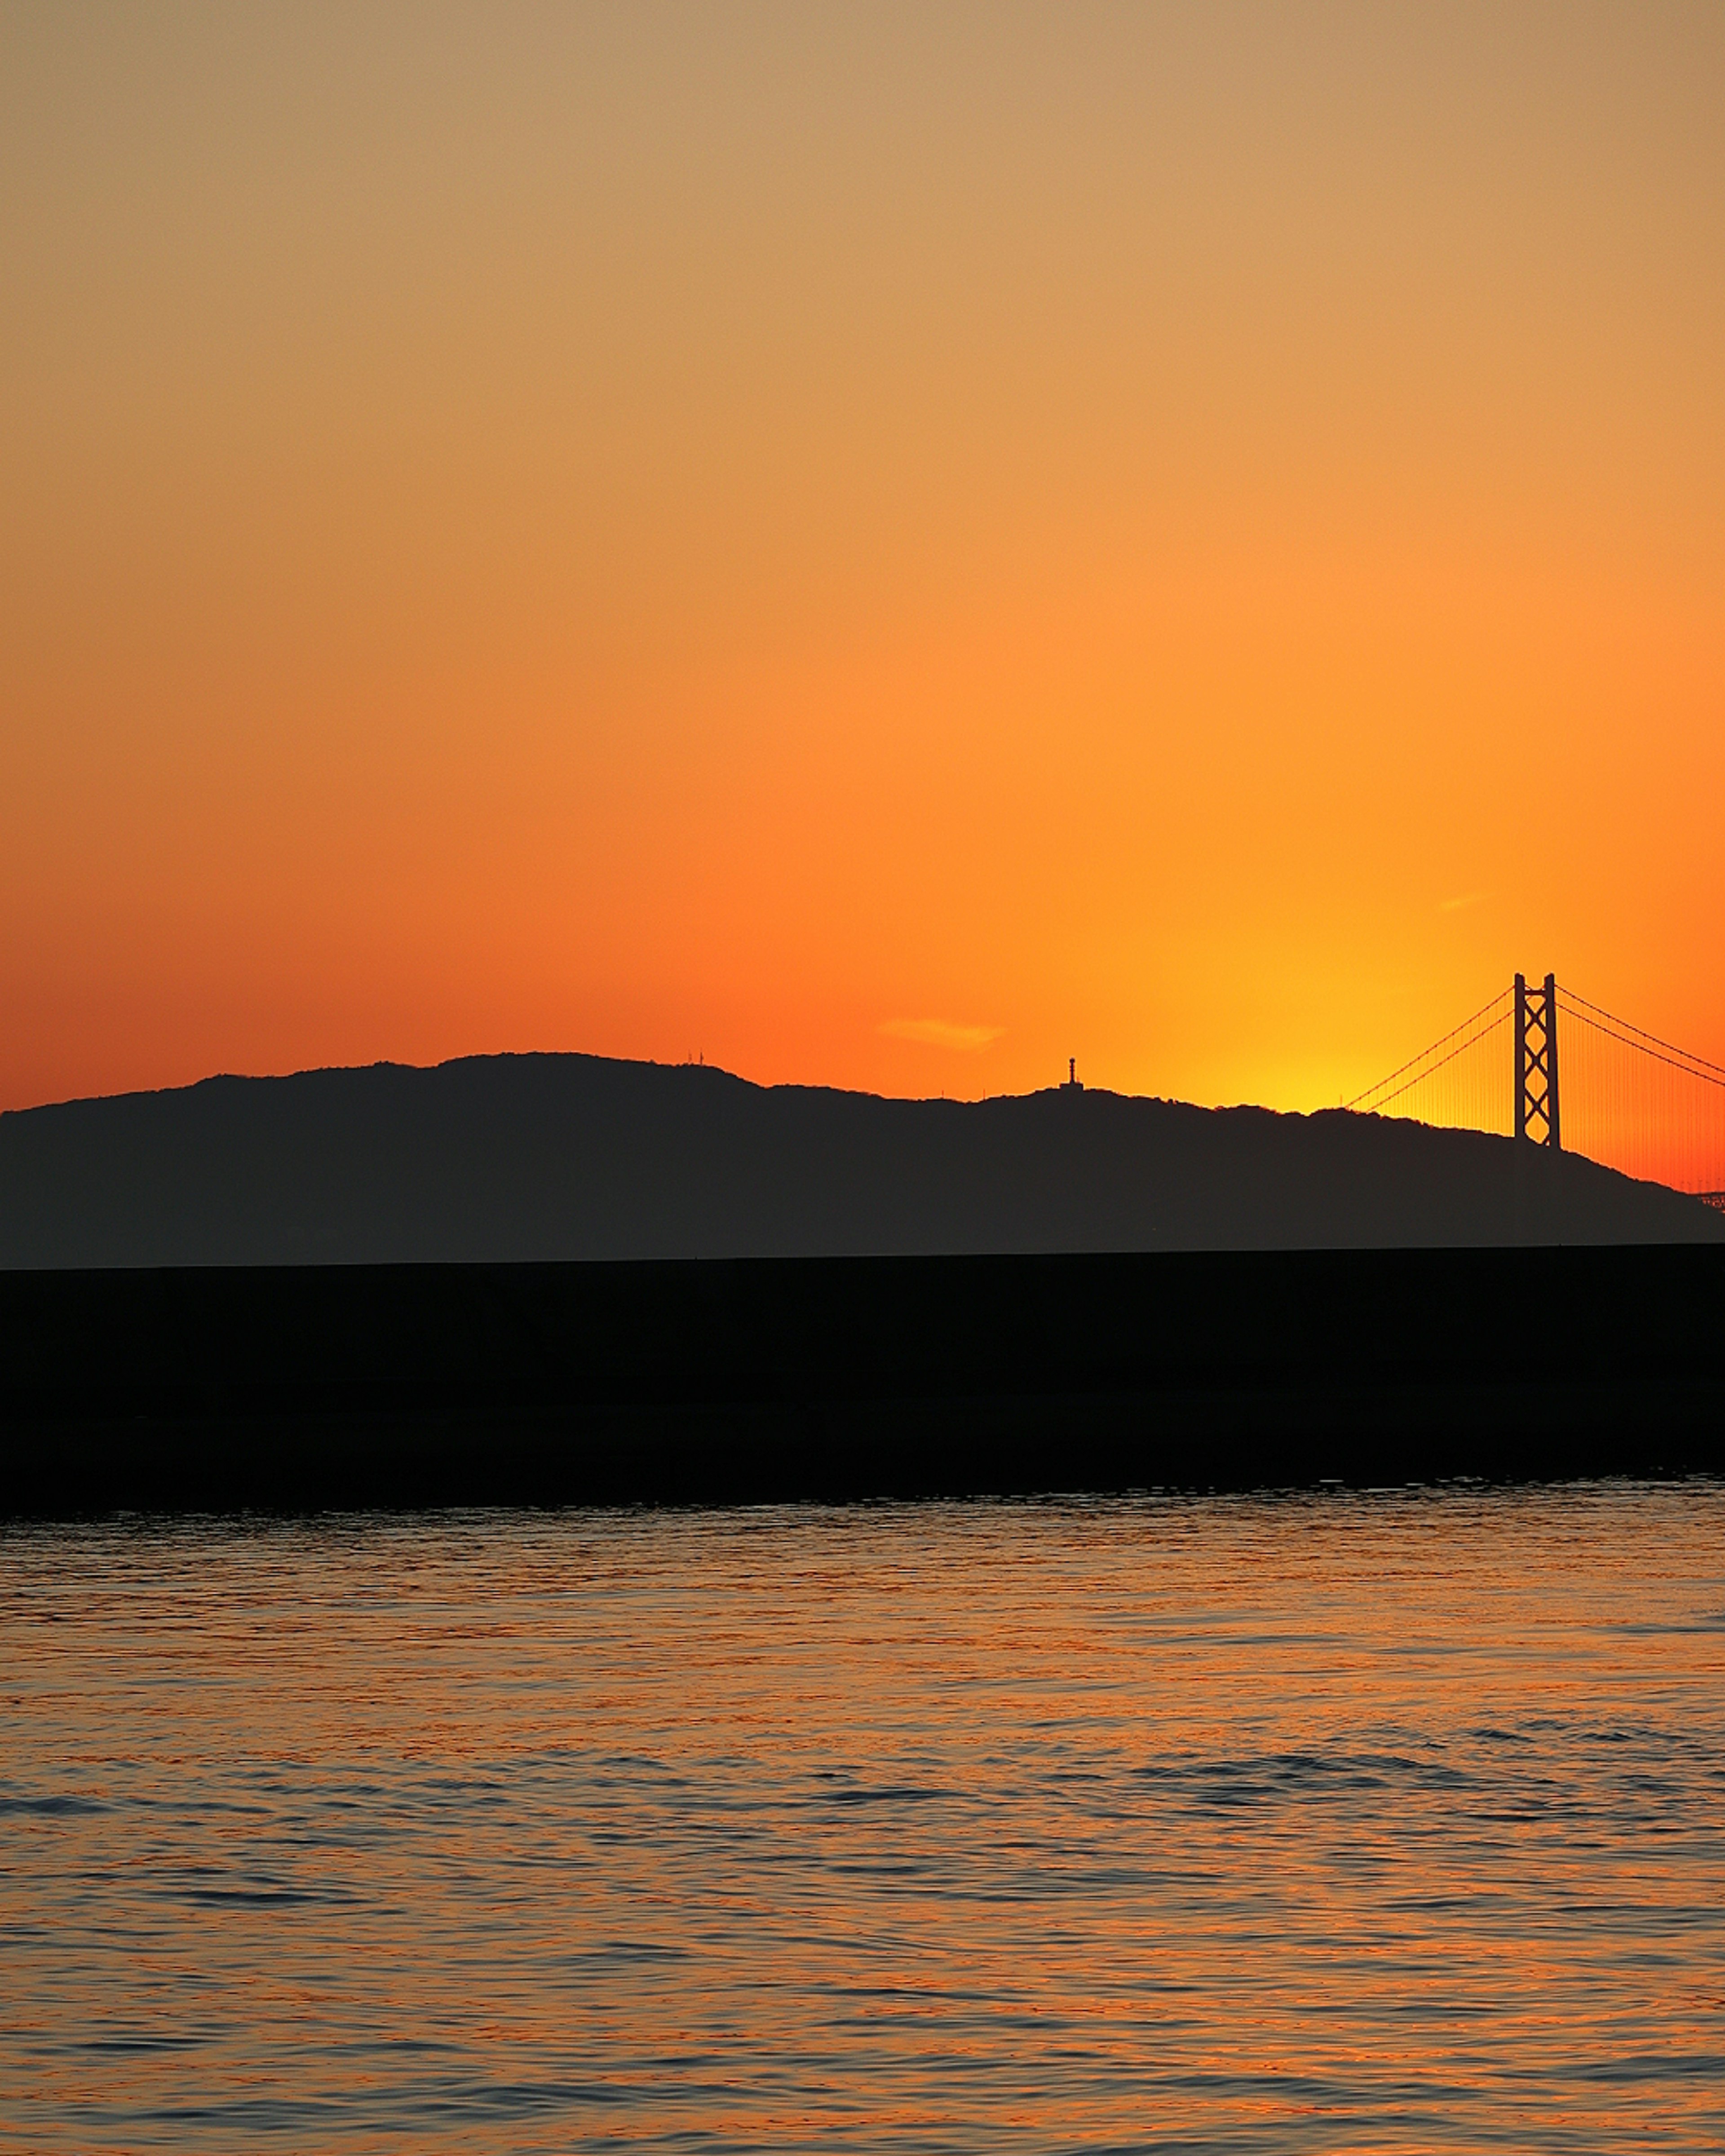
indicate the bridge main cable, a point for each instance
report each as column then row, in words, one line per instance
column 1413, row 1062
column 1648, row 1044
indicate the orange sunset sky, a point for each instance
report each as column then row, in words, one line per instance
column 883, row 547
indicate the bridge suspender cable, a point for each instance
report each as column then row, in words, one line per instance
column 1442, row 1040
column 1649, row 1044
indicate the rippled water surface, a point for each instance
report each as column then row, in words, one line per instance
column 1325, row 1823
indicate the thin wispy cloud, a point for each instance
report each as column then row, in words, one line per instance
column 1460, row 904
column 941, row 1032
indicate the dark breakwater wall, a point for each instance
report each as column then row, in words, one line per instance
column 852, row 1378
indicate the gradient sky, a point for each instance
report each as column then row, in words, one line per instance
column 885, row 548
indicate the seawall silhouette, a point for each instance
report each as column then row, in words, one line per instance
column 544, row 1157
column 754, row 1378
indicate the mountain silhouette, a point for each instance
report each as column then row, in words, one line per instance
column 558, row 1156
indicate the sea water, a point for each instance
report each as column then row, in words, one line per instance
column 1328, row 1822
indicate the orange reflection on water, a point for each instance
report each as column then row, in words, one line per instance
column 1342, row 1822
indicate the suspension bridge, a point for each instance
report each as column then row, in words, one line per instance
column 1544, row 1064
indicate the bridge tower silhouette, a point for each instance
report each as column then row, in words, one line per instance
column 1629, row 1099
column 1536, row 1094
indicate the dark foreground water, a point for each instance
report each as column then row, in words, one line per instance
column 1373, row 1823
